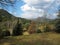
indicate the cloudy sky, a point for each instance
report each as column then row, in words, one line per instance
column 36, row 8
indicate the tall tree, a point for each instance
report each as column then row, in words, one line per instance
column 58, row 23
column 32, row 27
column 18, row 30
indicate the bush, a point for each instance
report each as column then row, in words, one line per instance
column 47, row 29
column 39, row 31
column 58, row 23
column 58, row 27
column 5, row 33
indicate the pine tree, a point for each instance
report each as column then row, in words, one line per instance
column 58, row 23
column 18, row 29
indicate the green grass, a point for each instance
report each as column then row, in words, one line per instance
column 33, row 39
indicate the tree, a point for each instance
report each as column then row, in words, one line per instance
column 47, row 29
column 58, row 23
column 39, row 31
column 5, row 33
column 32, row 27
column 18, row 30
column 0, row 32
column 0, row 18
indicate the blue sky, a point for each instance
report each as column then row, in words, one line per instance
column 16, row 11
column 35, row 8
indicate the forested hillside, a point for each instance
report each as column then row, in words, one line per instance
column 8, row 21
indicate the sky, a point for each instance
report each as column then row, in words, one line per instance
column 31, row 9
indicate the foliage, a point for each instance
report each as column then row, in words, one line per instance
column 18, row 29
column 39, row 31
column 58, row 26
column 32, row 27
column 4, row 34
column 4, row 15
column 58, row 23
column 8, row 21
column 47, row 29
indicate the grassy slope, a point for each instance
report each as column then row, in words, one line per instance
column 34, row 39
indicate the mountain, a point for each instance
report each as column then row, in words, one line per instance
column 4, row 15
column 8, row 21
column 41, row 19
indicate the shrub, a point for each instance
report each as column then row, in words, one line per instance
column 47, row 29
column 58, row 27
column 39, row 31
column 5, row 33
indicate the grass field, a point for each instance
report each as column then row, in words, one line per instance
column 33, row 39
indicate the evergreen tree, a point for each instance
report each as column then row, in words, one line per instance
column 18, row 29
column 5, row 33
column 0, row 19
column 58, row 23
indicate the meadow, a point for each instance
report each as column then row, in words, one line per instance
column 32, row 39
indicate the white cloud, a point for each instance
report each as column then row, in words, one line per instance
column 0, row 7
column 32, row 14
column 47, row 0
column 31, row 1
column 36, row 8
column 52, row 16
column 27, row 7
column 38, row 3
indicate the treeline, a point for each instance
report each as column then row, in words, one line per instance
column 17, row 30
column 31, row 27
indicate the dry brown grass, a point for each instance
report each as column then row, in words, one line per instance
column 33, row 39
